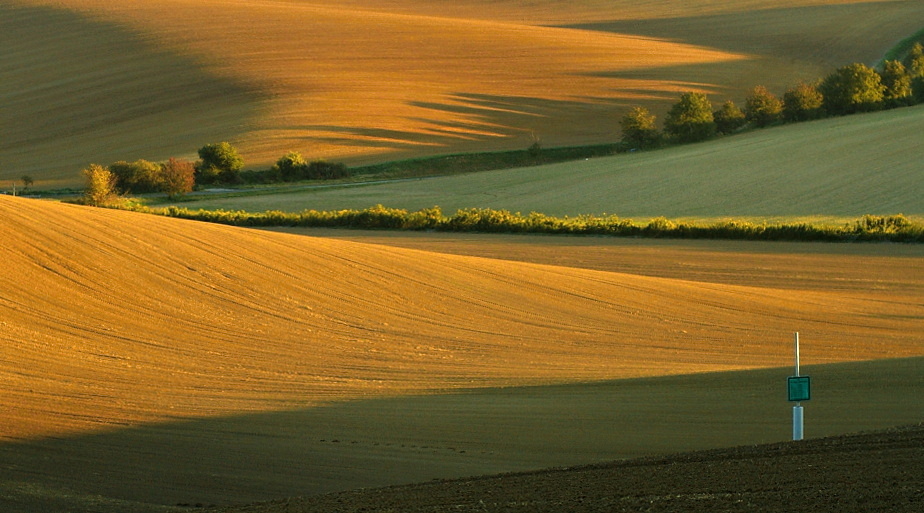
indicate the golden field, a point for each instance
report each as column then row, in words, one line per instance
column 93, row 81
column 151, row 361
column 148, row 362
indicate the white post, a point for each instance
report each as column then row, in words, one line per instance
column 797, row 422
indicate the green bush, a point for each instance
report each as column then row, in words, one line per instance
column 762, row 108
column 219, row 163
column 802, row 103
column 322, row 170
column 138, row 177
column 729, row 118
column 897, row 83
column 852, row 88
column 639, row 129
column 289, row 168
column 690, row 119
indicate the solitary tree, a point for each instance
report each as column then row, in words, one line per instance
column 690, row 119
column 897, row 83
column 178, row 177
column 728, row 118
column 802, row 103
column 100, row 185
column 638, row 129
column 852, row 88
column 219, row 163
column 762, row 107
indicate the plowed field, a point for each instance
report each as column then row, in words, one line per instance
column 148, row 361
column 97, row 81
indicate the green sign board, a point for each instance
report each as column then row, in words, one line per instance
column 799, row 388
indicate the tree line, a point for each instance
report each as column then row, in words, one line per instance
column 218, row 163
column 849, row 89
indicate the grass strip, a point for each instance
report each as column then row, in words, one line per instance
column 484, row 161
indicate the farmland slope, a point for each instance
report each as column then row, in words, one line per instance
column 367, row 80
column 843, row 167
column 226, row 364
column 99, row 305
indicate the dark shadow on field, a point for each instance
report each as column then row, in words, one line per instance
column 80, row 84
column 796, row 33
column 477, row 122
column 377, row 442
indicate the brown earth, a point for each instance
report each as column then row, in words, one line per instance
column 869, row 472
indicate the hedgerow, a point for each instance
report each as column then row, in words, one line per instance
column 894, row 228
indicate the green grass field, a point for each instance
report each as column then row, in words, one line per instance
column 824, row 171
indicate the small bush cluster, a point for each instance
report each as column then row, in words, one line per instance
column 218, row 163
column 174, row 177
column 895, row 228
column 847, row 90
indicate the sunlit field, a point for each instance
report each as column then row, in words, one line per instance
column 124, row 330
column 94, row 81
column 155, row 364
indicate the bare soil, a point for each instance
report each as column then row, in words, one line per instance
column 868, row 472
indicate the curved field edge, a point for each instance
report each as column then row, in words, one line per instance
column 336, row 81
column 834, row 168
column 414, row 439
column 115, row 318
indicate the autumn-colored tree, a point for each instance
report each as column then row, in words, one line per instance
column 99, row 187
column 178, row 176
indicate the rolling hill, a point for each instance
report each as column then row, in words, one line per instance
column 93, row 81
column 208, row 358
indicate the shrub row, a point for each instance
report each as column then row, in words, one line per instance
column 895, row 228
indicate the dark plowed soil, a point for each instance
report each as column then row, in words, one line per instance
column 868, row 472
